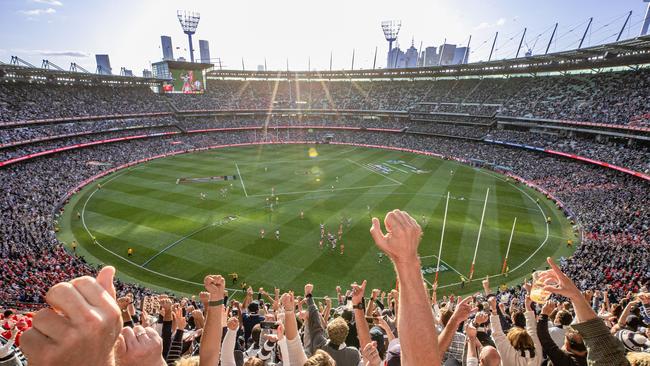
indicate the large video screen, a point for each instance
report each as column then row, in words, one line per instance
column 186, row 81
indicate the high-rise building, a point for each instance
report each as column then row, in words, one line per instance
column 395, row 59
column 447, row 52
column 204, row 51
column 431, row 56
column 103, row 65
column 461, row 54
column 167, row 48
column 411, row 56
column 147, row 73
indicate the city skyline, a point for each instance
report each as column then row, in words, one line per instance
column 65, row 31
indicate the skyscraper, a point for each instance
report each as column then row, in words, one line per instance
column 103, row 65
column 461, row 54
column 411, row 56
column 204, row 51
column 431, row 56
column 167, row 48
column 447, row 52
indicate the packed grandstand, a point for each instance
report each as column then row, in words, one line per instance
column 581, row 138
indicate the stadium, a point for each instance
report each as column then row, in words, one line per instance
column 236, row 209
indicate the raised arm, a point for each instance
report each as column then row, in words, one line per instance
column 461, row 313
column 363, row 331
column 418, row 338
column 228, row 350
column 602, row 347
column 294, row 345
column 314, row 324
column 210, row 348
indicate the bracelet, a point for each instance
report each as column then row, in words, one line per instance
column 215, row 302
column 361, row 305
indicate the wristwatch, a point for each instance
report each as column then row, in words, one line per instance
column 361, row 305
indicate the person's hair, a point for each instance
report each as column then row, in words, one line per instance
column 445, row 315
column 337, row 330
column 518, row 318
column 188, row 361
column 255, row 334
column 320, row 358
column 575, row 341
column 638, row 358
column 521, row 341
column 253, row 361
column 564, row 317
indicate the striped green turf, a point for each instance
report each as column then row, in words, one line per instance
column 178, row 238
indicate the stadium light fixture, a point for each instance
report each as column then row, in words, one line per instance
column 391, row 30
column 189, row 22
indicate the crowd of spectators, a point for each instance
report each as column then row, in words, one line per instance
column 614, row 98
column 614, row 152
column 550, row 321
column 21, row 134
column 21, row 101
column 609, row 302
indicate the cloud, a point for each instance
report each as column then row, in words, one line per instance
column 485, row 25
column 37, row 12
column 63, row 53
column 52, row 53
column 48, row 2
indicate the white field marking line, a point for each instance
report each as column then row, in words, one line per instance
column 368, row 169
column 443, row 262
column 529, row 257
column 324, row 190
column 396, row 168
column 241, row 179
column 285, row 161
column 83, row 221
column 175, row 243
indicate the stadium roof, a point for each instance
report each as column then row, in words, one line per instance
column 35, row 74
column 631, row 52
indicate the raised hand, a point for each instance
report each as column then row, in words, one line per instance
column 81, row 327
column 402, row 236
column 181, row 322
column 463, row 310
column 288, row 302
column 233, row 323
column 139, row 347
column 216, row 285
column 486, row 285
column 309, row 288
column 370, row 355
column 492, row 301
column 549, row 307
column 557, row 282
column 357, row 292
column 470, row 331
column 375, row 293
column 481, row 318
column 529, row 303
column 204, row 296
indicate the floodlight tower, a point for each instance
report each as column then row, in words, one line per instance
column 391, row 30
column 189, row 22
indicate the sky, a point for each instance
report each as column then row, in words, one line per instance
column 299, row 31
